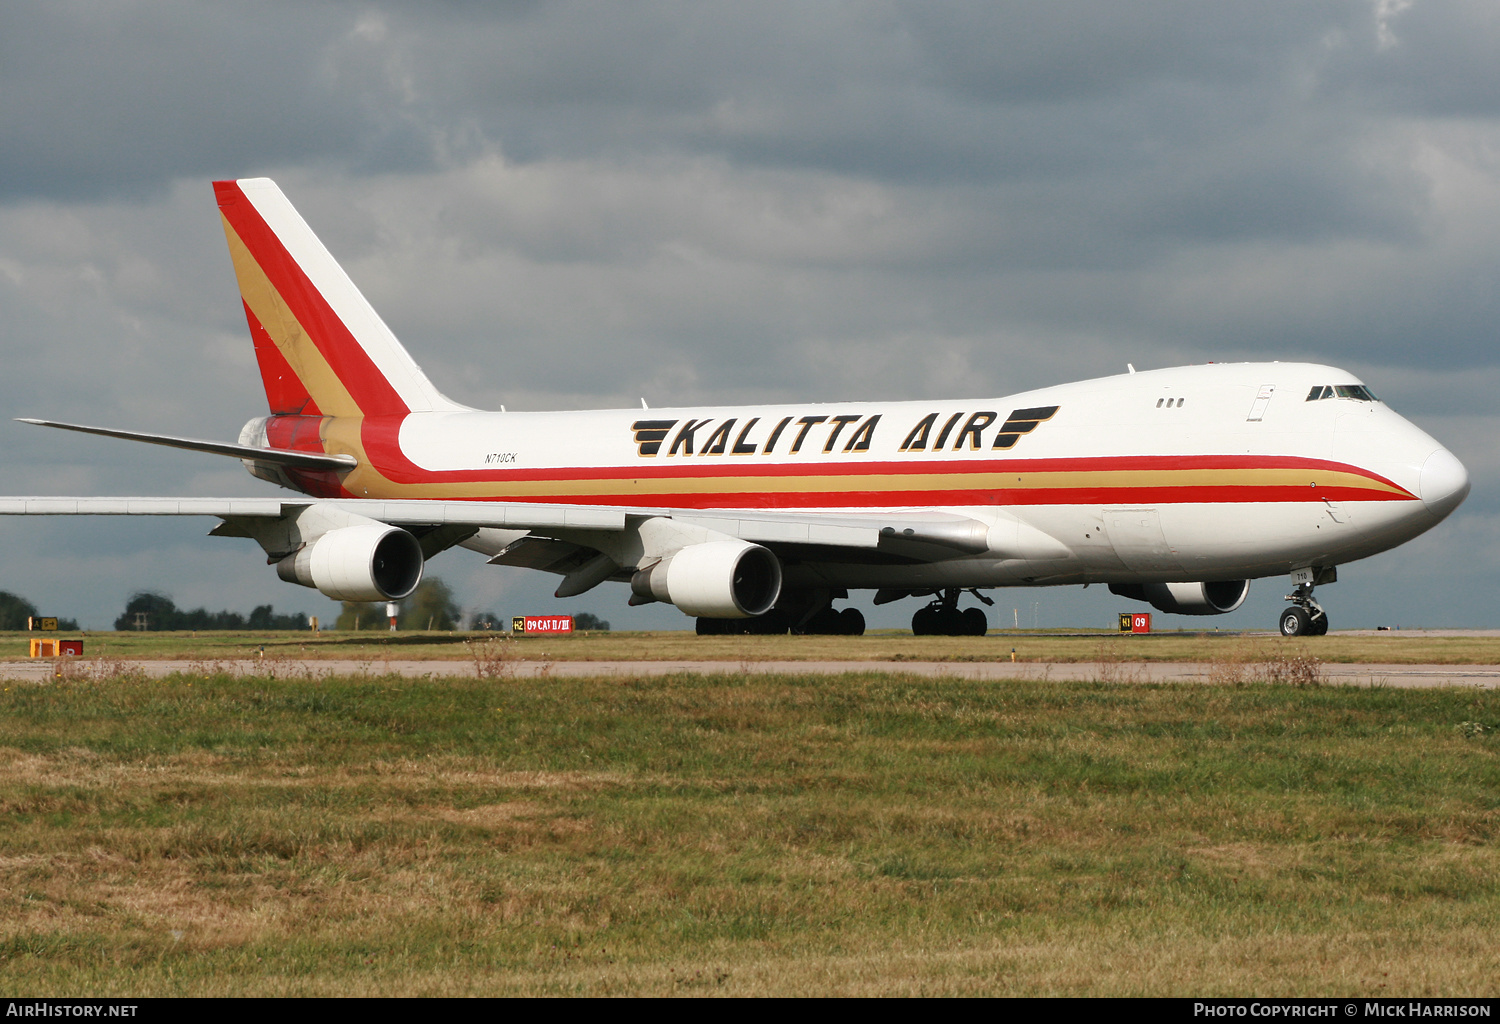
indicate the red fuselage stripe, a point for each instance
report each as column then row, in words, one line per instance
column 742, row 467
column 1147, row 496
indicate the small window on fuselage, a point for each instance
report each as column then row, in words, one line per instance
column 1316, row 393
column 1358, row 392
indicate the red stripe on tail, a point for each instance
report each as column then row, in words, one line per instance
column 285, row 392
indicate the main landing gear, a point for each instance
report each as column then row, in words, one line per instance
column 827, row 621
column 1306, row 617
column 834, row 622
column 942, row 617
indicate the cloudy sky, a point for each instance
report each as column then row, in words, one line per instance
column 581, row 204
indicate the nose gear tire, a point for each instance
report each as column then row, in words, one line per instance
column 1296, row 622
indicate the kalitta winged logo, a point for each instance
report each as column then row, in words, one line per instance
column 1022, row 421
column 649, row 434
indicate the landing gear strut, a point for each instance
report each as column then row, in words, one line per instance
column 1306, row 617
column 942, row 617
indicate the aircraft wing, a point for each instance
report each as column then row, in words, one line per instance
column 957, row 533
column 506, row 515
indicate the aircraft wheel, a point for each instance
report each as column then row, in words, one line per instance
column 824, row 623
column 710, row 627
column 925, row 621
column 1319, row 626
column 1296, row 622
column 852, row 622
column 974, row 622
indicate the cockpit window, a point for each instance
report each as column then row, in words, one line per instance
column 1358, row 392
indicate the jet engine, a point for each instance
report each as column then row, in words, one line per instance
column 1187, row 598
column 371, row 562
column 727, row 579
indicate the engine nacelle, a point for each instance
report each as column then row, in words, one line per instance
column 723, row 579
column 372, row 562
column 1215, row 598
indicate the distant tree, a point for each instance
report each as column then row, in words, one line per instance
column 486, row 620
column 587, row 620
column 430, row 606
column 264, row 617
column 155, row 607
column 360, row 615
column 202, row 618
column 162, row 613
column 14, row 610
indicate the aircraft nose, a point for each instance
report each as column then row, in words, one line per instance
column 1444, row 482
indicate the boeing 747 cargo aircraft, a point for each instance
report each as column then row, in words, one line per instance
column 1175, row 487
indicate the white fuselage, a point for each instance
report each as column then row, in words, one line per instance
column 1223, row 471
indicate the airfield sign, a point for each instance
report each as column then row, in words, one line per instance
column 541, row 624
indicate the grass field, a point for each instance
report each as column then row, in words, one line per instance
column 892, row 645
column 854, row 835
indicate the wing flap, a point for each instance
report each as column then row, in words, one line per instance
column 798, row 530
column 545, row 554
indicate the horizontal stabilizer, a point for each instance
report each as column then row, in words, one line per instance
column 278, row 456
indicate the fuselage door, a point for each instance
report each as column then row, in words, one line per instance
column 1262, row 399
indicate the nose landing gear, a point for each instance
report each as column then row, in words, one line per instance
column 942, row 617
column 1306, row 617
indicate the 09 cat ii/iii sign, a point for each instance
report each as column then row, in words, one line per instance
column 549, row 624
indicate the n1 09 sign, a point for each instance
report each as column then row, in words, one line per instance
column 549, row 624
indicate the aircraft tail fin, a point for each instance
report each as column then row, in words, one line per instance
column 322, row 348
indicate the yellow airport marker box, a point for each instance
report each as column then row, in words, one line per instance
column 56, row 648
